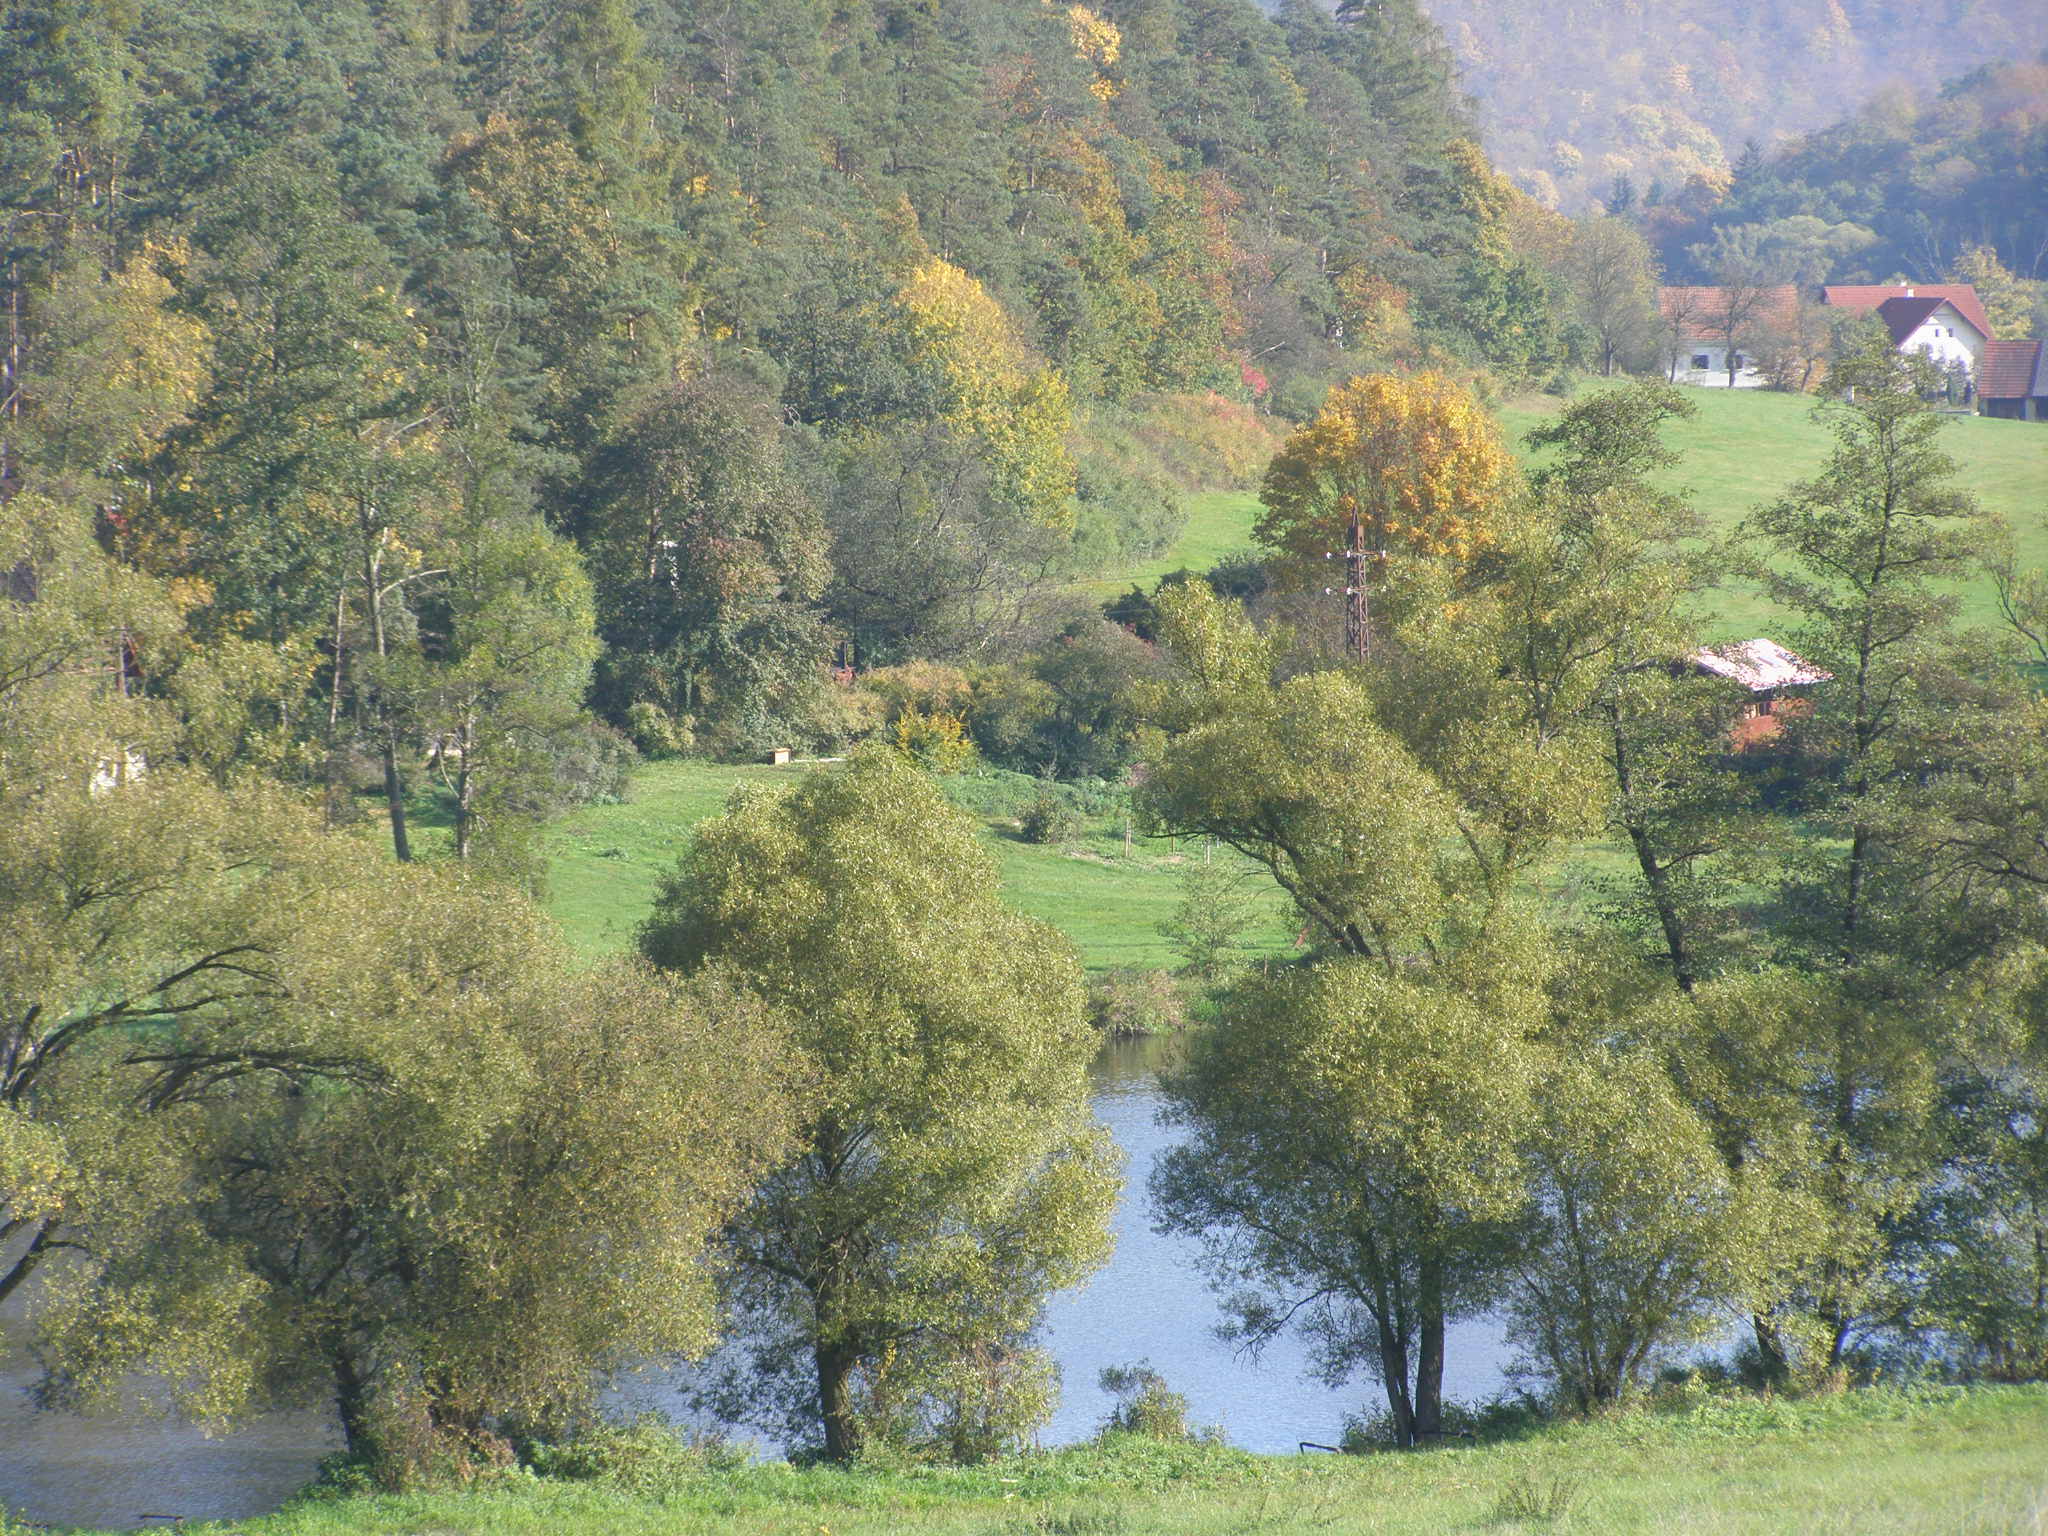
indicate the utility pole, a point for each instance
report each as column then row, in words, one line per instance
column 1357, row 602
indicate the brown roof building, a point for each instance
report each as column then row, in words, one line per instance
column 2013, row 381
column 1775, row 679
column 1700, row 322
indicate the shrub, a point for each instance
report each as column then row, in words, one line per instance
column 648, row 1458
column 1526, row 1499
column 1145, row 1405
column 657, row 733
column 592, row 766
column 937, row 741
column 1049, row 818
column 1129, row 1003
column 1217, row 906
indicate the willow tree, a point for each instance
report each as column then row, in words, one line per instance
column 1354, row 1131
column 1352, row 1166
column 951, row 1176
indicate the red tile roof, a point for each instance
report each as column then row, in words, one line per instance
column 1700, row 310
column 1871, row 295
column 2007, row 371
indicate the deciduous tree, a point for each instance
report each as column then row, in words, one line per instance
column 950, row 1176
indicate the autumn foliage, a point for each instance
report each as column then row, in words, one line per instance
column 1419, row 458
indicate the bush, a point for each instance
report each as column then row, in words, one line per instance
column 592, row 766
column 937, row 741
column 1049, row 818
column 1145, row 1405
column 1498, row 1419
column 1204, row 440
column 1129, row 1003
column 649, row 1458
column 657, row 733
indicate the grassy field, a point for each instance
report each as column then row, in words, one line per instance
column 604, row 862
column 1872, row 1463
column 1744, row 447
column 1219, row 523
column 1742, row 450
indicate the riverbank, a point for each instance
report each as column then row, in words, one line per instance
column 1948, row 1461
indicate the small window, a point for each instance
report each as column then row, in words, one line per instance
column 1701, row 360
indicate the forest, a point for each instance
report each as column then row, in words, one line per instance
column 417, row 415
column 1572, row 96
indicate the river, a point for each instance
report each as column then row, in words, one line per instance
column 1150, row 1303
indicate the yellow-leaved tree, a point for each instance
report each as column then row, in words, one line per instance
column 1018, row 414
column 1418, row 459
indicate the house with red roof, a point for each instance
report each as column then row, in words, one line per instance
column 2013, row 380
column 1946, row 321
column 1713, row 336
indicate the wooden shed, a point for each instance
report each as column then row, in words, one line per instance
column 1779, row 684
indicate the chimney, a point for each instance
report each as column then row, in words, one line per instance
column 1909, row 293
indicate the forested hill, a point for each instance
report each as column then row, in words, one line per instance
column 1950, row 183
column 1574, row 93
column 900, row 256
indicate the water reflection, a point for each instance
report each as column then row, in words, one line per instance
column 1150, row 1303
column 58, row 1469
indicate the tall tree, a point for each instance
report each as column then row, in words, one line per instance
column 1862, row 554
column 950, row 1176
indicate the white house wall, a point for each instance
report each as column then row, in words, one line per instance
column 1715, row 374
column 1948, row 339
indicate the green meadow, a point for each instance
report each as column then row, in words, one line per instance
column 1941, row 1462
column 604, row 861
column 1742, row 449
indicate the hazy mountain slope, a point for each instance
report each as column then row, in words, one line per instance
column 1576, row 92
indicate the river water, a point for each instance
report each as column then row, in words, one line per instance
column 1149, row 1304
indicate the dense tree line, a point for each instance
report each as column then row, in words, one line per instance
column 801, row 328
column 1946, row 183
column 1786, row 1068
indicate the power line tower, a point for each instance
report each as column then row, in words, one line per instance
column 1357, row 601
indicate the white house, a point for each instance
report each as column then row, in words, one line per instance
column 1697, row 331
column 1944, row 320
column 1937, row 328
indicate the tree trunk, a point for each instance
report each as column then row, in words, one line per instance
column 465, row 796
column 835, row 1399
column 1429, row 1353
column 394, row 796
column 1770, row 1347
column 394, row 787
column 1656, row 875
column 352, row 1405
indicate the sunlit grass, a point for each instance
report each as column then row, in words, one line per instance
column 1874, row 1463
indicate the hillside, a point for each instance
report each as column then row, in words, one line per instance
column 1742, row 448
column 1574, row 94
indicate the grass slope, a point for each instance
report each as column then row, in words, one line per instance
column 1746, row 446
column 1945, row 1461
column 604, row 862
column 1219, row 523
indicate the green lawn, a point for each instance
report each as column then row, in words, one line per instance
column 1219, row 523
column 603, row 862
column 1744, row 447
column 1872, row 1463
